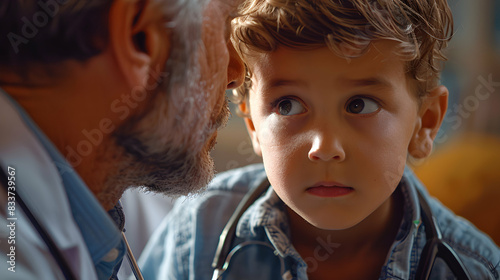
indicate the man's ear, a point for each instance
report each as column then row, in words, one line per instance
column 430, row 116
column 138, row 39
column 250, row 128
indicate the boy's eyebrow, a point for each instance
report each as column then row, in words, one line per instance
column 278, row 82
column 371, row 81
column 379, row 82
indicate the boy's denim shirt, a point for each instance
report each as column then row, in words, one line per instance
column 184, row 245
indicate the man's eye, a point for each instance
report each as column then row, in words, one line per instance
column 361, row 105
column 289, row 107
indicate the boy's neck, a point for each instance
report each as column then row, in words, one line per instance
column 369, row 240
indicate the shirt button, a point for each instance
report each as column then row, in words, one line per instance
column 111, row 255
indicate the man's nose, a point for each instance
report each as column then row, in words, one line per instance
column 326, row 147
column 235, row 69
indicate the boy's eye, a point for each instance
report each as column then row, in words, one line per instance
column 289, row 107
column 361, row 105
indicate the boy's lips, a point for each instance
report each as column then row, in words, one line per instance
column 329, row 189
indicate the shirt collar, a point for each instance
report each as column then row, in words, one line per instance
column 268, row 216
column 401, row 259
column 98, row 230
column 411, row 216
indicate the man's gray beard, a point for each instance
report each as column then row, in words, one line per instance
column 165, row 150
column 174, row 172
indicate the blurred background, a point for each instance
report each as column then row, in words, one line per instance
column 464, row 168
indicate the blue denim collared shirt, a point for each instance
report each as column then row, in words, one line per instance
column 184, row 245
column 79, row 226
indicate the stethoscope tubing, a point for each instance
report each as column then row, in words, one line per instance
column 435, row 246
column 224, row 247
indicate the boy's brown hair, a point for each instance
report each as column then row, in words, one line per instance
column 422, row 28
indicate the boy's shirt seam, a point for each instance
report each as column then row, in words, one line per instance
column 473, row 255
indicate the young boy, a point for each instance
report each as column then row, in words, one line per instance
column 338, row 95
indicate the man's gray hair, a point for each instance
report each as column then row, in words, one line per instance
column 186, row 23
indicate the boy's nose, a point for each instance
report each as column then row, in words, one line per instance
column 326, row 149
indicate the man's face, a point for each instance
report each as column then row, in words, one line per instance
column 169, row 145
column 333, row 133
column 215, row 57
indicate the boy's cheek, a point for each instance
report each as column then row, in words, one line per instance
column 268, row 131
column 274, row 131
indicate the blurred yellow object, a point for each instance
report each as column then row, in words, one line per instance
column 465, row 176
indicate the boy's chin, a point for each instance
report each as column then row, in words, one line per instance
column 333, row 226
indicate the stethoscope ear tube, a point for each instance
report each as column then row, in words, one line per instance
column 131, row 260
column 226, row 237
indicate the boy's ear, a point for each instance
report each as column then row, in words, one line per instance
column 430, row 117
column 250, row 128
column 138, row 40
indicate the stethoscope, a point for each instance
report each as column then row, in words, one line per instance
column 51, row 245
column 434, row 248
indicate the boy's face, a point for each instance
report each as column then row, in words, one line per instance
column 334, row 133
